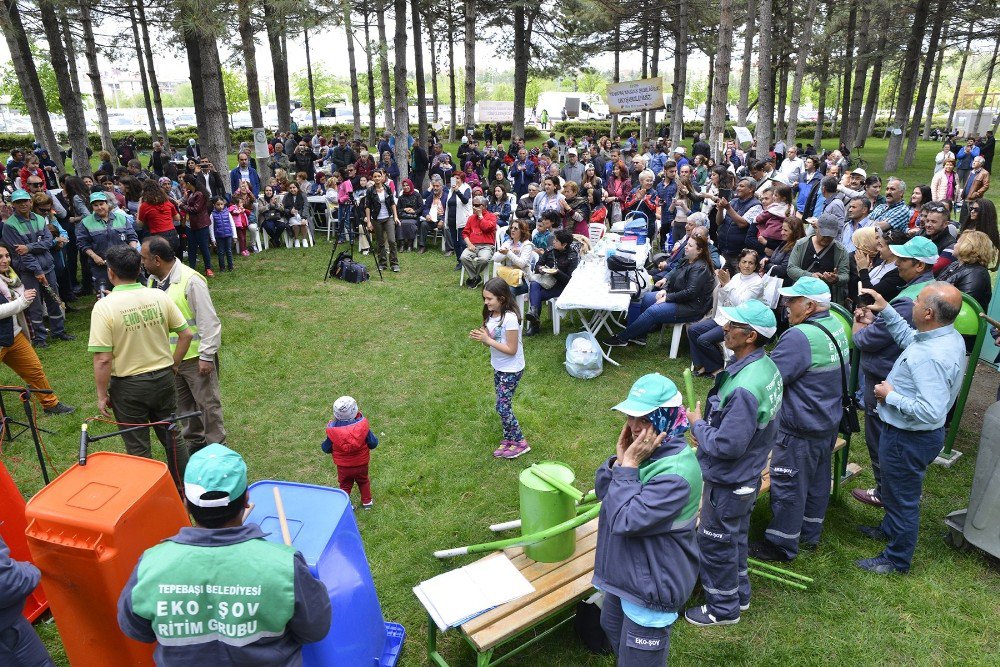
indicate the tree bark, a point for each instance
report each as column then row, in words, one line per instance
column 871, row 101
column 743, row 105
column 848, row 90
column 94, row 74
column 67, row 35
column 371, row 80
column 470, row 64
column 803, row 46
column 720, row 84
column 853, row 118
column 250, row 62
column 986, row 88
column 824, row 66
column 209, row 97
column 72, row 103
column 654, row 71
column 680, row 74
column 383, row 64
column 617, row 73
column 418, row 68
column 907, row 81
column 961, row 75
column 154, row 82
column 27, row 78
column 451, row 73
column 275, row 26
column 765, row 96
column 929, row 117
column 925, row 80
column 142, row 70
column 644, row 74
column 434, row 69
column 309, row 77
column 352, row 64
column 709, row 96
column 783, row 55
column 402, row 116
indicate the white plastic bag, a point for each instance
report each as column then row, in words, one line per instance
column 583, row 356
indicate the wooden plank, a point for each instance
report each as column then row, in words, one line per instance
column 533, row 570
column 533, row 613
column 840, row 444
column 549, row 584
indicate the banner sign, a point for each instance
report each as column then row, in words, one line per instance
column 743, row 135
column 641, row 95
column 496, row 112
column 260, row 144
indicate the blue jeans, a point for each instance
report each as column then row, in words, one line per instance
column 704, row 338
column 904, row 457
column 224, row 246
column 199, row 239
column 537, row 294
column 651, row 316
column 345, row 216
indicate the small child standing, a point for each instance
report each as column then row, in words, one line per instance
column 501, row 332
column 221, row 232
column 238, row 210
column 349, row 439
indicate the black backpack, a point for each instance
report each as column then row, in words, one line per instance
column 345, row 268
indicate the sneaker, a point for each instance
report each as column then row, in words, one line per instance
column 765, row 550
column 245, row 253
column 873, row 532
column 368, row 505
column 60, row 408
column 37, row 344
column 395, row 268
column 381, row 267
column 449, row 253
column 209, row 273
column 517, row 449
column 867, row 496
column 502, row 449
column 641, row 342
column 744, row 607
column 878, row 565
column 699, row 616
column 63, row 336
column 615, row 341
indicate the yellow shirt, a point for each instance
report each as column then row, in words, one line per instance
column 134, row 324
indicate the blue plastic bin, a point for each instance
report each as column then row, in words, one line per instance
column 322, row 527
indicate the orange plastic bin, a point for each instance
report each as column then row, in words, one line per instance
column 86, row 531
column 12, row 524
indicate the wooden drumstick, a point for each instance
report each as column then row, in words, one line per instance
column 280, row 507
column 990, row 320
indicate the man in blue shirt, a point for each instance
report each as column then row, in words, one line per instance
column 894, row 212
column 913, row 404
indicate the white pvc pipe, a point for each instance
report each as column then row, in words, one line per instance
column 508, row 525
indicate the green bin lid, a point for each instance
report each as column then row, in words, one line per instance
column 559, row 471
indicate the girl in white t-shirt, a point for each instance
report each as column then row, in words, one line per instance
column 501, row 332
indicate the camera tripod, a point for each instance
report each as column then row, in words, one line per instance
column 354, row 238
column 5, row 421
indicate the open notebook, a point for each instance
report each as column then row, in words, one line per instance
column 454, row 597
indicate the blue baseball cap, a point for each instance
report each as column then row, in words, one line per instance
column 20, row 195
column 755, row 314
column 810, row 287
column 98, row 196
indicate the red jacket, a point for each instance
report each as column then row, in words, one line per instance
column 350, row 448
column 481, row 231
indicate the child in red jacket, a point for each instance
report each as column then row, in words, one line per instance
column 350, row 439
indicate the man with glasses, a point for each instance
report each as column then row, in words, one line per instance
column 34, row 185
column 30, row 241
column 479, row 235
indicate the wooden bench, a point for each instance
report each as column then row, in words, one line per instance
column 558, row 587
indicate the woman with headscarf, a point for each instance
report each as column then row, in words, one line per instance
column 471, row 177
column 409, row 205
column 647, row 559
column 500, row 178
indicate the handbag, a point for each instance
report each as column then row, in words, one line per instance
column 511, row 276
column 849, row 419
column 770, row 295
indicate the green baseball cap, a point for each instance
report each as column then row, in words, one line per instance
column 98, row 196
column 808, row 286
column 20, row 195
column 756, row 314
column 919, row 248
column 650, row 392
column 215, row 468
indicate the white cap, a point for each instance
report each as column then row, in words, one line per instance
column 345, row 408
column 681, row 150
column 571, row 151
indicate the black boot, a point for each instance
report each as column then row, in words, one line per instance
column 532, row 322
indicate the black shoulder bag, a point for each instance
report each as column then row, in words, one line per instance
column 849, row 419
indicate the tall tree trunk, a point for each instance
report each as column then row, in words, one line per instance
column 824, row 66
column 72, row 103
column 309, row 79
column 644, row 74
column 352, row 64
column 371, row 80
column 853, row 118
column 986, row 89
column 961, row 75
column 680, row 74
column 434, row 68
column 209, row 96
column 275, row 26
column 784, row 54
column 720, row 84
column 67, row 35
column 848, row 90
column 617, row 73
column 142, row 70
column 706, row 124
column 743, row 105
column 836, row 98
column 402, row 116
column 871, row 101
column 765, row 88
column 250, row 62
column 803, row 47
column 451, row 73
column 96, row 86
column 154, row 82
column 654, row 71
column 925, row 80
column 27, row 78
column 383, row 64
column 929, row 117
column 470, row 63
column 418, row 68
column 907, row 81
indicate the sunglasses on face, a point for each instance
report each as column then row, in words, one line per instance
column 44, row 210
column 34, row 184
column 973, row 209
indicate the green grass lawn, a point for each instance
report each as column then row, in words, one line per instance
column 292, row 344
